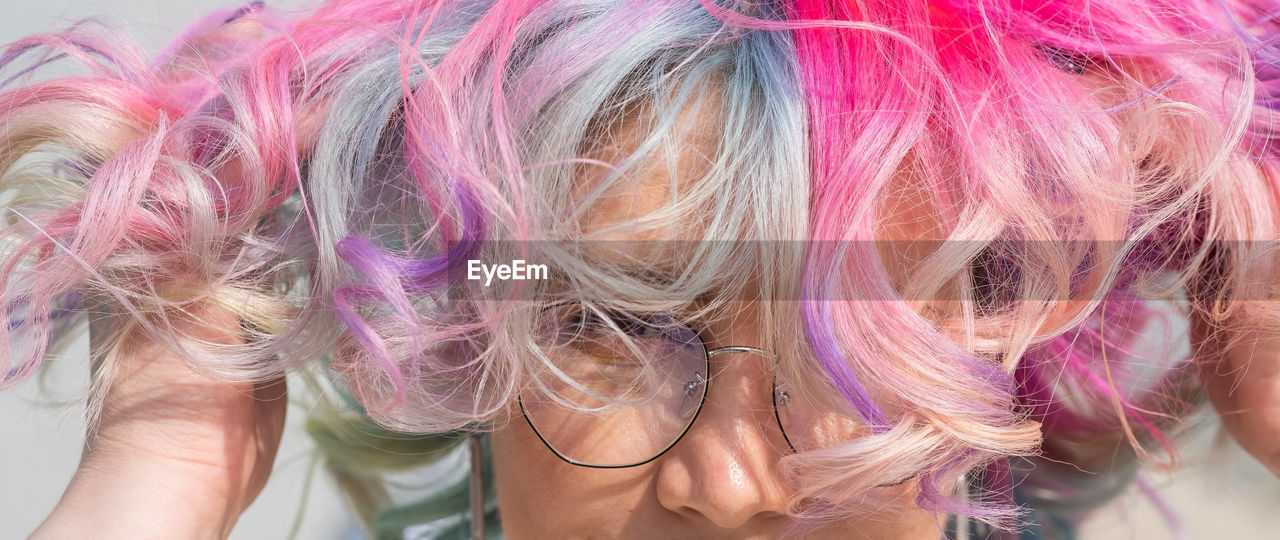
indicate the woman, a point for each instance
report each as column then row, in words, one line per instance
column 812, row 267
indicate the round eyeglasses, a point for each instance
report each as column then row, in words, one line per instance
column 623, row 388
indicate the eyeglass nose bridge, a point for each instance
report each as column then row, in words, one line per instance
column 719, row 351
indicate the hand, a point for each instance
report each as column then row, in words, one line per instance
column 1241, row 374
column 176, row 454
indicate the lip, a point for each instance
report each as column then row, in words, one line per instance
column 768, row 527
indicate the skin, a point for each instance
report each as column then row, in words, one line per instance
column 176, row 453
column 722, row 480
column 1240, row 371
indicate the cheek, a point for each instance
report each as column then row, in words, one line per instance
column 540, row 496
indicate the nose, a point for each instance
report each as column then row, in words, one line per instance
column 725, row 469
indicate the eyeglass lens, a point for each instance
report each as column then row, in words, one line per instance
column 624, row 387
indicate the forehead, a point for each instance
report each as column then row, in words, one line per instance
column 658, row 157
column 643, row 203
column 654, row 182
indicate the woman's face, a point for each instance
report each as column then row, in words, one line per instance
column 722, row 479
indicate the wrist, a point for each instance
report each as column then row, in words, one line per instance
column 143, row 498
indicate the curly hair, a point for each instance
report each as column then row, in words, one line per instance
column 1063, row 179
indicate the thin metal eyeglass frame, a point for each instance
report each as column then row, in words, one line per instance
column 706, row 389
